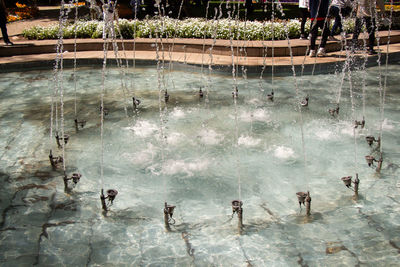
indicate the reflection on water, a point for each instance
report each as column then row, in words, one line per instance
column 41, row 224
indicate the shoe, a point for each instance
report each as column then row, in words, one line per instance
column 312, row 53
column 303, row 37
column 9, row 43
column 321, row 52
column 371, row 52
column 344, row 35
column 332, row 38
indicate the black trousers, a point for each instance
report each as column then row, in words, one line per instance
column 3, row 21
column 314, row 32
column 370, row 25
column 304, row 14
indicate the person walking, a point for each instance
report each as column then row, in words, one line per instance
column 318, row 17
column 338, row 10
column 304, row 14
column 3, row 22
column 366, row 15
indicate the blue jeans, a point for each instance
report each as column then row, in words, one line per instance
column 335, row 12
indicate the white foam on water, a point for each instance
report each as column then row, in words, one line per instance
column 175, row 138
column 347, row 128
column 256, row 115
column 387, row 125
column 323, row 134
column 283, row 152
column 172, row 167
column 177, row 113
column 248, row 141
column 143, row 128
column 261, row 115
column 255, row 101
column 144, row 156
column 210, row 137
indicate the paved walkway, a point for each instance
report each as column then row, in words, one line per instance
column 185, row 50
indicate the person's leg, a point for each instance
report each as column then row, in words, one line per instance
column 324, row 25
column 314, row 33
column 357, row 30
column 3, row 27
column 370, row 24
column 334, row 12
column 304, row 15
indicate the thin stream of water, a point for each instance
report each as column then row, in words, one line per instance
column 160, row 84
column 171, row 48
column 280, row 8
column 217, row 16
column 265, row 54
column 103, row 78
column 272, row 45
column 386, row 74
column 235, row 95
column 204, row 43
column 353, row 111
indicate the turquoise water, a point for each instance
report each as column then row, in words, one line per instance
column 197, row 168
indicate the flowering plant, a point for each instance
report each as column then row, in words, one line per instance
column 188, row 28
column 21, row 11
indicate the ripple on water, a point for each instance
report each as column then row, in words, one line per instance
column 177, row 113
column 256, row 115
column 248, row 141
column 143, row 128
column 210, row 137
column 283, row 152
column 186, row 167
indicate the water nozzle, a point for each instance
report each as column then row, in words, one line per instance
column 335, row 111
column 168, row 213
column 201, row 94
column 236, row 206
column 111, row 194
column 235, row 92
column 304, row 102
column 301, row 197
column 105, row 110
column 54, row 161
column 371, row 139
column 347, row 181
column 79, row 123
column 135, row 102
column 359, row 123
column 169, row 209
column 75, row 179
column 271, row 96
column 62, row 139
column 166, row 96
column 370, row 160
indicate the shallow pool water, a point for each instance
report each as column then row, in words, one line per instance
column 197, row 167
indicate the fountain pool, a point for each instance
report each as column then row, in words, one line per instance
column 197, row 168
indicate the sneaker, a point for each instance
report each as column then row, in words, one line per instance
column 321, row 52
column 303, row 37
column 332, row 38
column 9, row 43
column 344, row 35
column 312, row 53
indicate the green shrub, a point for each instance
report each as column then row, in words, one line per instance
column 188, row 28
